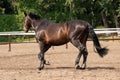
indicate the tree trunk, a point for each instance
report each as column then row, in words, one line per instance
column 104, row 19
column 117, row 22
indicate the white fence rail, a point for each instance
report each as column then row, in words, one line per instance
column 16, row 33
column 97, row 31
column 108, row 31
column 105, row 31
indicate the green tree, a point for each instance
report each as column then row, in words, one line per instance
column 7, row 7
column 96, row 12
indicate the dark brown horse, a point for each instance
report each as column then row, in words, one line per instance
column 50, row 34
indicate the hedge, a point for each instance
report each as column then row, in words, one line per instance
column 11, row 22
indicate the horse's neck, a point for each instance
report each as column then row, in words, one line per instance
column 38, row 24
column 34, row 24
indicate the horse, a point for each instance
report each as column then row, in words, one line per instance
column 49, row 33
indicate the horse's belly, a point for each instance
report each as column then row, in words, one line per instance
column 58, row 38
column 57, row 42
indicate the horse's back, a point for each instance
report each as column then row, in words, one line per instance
column 76, row 23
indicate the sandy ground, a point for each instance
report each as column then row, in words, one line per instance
column 22, row 63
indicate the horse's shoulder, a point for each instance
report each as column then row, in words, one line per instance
column 41, row 34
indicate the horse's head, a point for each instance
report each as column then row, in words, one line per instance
column 27, row 22
column 29, row 18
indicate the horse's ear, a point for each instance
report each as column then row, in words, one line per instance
column 31, row 15
column 25, row 13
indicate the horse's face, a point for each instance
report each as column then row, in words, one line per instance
column 27, row 23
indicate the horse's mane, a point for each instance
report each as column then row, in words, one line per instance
column 34, row 16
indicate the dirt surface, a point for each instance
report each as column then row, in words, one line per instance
column 22, row 63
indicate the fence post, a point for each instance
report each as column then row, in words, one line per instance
column 9, row 42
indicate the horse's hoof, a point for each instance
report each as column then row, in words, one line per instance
column 83, row 67
column 39, row 68
column 77, row 66
column 47, row 63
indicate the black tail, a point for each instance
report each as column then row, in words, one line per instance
column 101, row 51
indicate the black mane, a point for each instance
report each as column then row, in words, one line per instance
column 34, row 16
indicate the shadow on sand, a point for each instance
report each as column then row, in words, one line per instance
column 100, row 68
column 88, row 68
column 62, row 68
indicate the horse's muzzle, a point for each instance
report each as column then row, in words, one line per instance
column 25, row 30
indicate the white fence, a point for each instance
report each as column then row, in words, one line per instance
column 108, row 31
column 105, row 31
column 97, row 31
column 16, row 33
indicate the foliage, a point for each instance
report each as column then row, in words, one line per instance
column 11, row 11
column 99, row 13
column 11, row 22
column 7, row 7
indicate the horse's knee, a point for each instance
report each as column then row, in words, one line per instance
column 41, row 56
column 82, row 48
column 85, row 53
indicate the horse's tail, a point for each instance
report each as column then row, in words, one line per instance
column 100, row 51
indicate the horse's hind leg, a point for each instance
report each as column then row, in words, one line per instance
column 85, row 53
column 43, row 49
column 78, row 59
column 81, row 51
column 80, row 46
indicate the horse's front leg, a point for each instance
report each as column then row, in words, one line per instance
column 41, row 57
column 43, row 49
